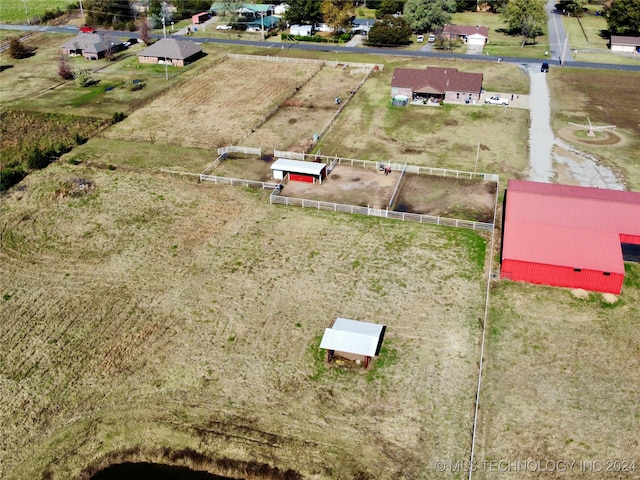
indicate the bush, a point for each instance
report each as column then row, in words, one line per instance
column 9, row 176
column 37, row 159
column 118, row 117
column 65, row 70
column 83, row 77
column 134, row 84
column 17, row 50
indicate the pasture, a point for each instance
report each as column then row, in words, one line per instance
column 104, row 351
column 146, row 315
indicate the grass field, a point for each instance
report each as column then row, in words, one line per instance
column 16, row 11
column 146, row 315
column 561, row 380
column 575, row 100
column 221, row 355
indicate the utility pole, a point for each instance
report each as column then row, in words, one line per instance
column 82, row 13
column 477, row 155
column 262, row 24
column 164, row 30
column 26, row 12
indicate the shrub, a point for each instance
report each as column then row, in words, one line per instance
column 134, row 84
column 17, row 50
column 64, row 68
column 37, row 159
column 118, row 117
column 83, row 77
column 9, row 176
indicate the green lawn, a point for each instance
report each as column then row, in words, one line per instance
column 13, row 11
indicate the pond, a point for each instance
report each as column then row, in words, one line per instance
column 155, row 471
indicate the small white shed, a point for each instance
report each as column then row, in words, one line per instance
column 301, row 30
column 353, row 337
column 298, row 170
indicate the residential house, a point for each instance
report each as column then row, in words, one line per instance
column 437, row 84
column 470, row 35
column 92, row 46
column 171, row 51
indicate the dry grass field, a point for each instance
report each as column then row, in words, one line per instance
column 561, row 381
column 148, row 317
column 144, row 310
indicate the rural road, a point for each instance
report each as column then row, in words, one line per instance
column 335, row 48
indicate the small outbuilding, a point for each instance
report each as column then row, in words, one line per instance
column 199, row 18
column 299, row 171
column 178, row 53
column 353, row 339
column 301, row 30
column 625, row 44
column 569, row 236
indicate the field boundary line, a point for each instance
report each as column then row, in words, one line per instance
column 483, row 338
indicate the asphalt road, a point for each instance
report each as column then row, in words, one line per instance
column 368, row 50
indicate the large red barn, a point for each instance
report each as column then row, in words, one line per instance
column 568, row 236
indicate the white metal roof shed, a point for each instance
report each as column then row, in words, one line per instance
column 353, row 336
column 297, row 166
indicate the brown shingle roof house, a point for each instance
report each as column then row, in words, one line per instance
column 92, row 46
column 477, row 35
column 177, row 52
column 437, row 84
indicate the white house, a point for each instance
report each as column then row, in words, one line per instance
column 302, row 30
column 280, row 10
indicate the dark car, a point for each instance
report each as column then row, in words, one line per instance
column 544, row 68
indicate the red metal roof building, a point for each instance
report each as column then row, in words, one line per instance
column 568, row 236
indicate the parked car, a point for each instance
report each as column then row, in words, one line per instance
column 420, row 39
column 496, row 100
column 87, row 29
column 544, row 68
column 432, row 38
column 223, row 27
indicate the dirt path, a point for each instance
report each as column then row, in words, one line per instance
column 550, row 158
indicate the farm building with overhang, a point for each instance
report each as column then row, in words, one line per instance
column 298, row 170
column 568, row 236
column 353, row 339
column 437, row 83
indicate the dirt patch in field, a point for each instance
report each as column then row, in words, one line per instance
column 448, row 197
column 350, row 186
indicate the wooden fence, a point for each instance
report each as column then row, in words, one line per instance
column 238, row 182
column 329, row 63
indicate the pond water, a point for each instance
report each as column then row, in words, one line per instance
column 155, row 471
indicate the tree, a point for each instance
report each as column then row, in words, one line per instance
column 389, row 7
column 527, row 17
column 144, row 31
column 108, row 12
column 623, row 17
column 497, row 6
column 337, row 14
column 65, row 70
column 427, row 15
column 574, row 7
column 303, row 12
column 83, row 77
column 18, row 50
column 390, row 30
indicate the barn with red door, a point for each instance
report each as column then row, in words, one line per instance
column 568, row 236
column 299, row 171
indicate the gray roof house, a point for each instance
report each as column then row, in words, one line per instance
column 169, row 50
column 92, row 46
column 624, row 43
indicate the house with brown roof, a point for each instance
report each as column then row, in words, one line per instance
column 91, row 46
column 623, row 43
column 171, row 51
column 437, row 84
column 470, row 35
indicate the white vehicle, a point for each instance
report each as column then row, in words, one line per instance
column 420, row 38
column 432, row 38
column 223, row 27
column 496, row 100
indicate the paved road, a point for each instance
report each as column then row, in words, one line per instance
column 335, row 49
column 557, row 35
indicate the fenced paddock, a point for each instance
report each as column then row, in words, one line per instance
column 405, row 187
